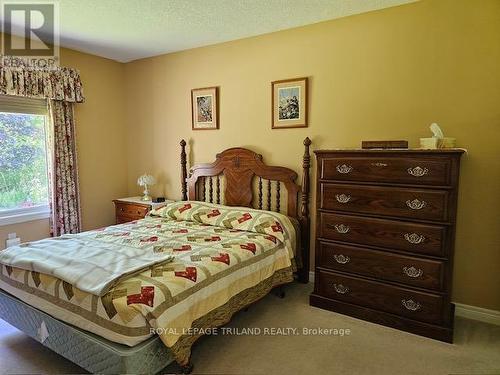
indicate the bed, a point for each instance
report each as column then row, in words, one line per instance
column 241, row 229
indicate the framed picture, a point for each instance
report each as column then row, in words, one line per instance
column 204, row 108
column 289, row 103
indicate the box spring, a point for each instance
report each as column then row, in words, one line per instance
column 89, row 351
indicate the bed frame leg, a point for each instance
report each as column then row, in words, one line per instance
column 280, row 292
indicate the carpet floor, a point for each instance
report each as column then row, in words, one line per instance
column 368, row 349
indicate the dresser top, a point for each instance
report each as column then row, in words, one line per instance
column 138, row 200
column 394, row 150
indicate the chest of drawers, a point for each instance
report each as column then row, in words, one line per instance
column 385, row 229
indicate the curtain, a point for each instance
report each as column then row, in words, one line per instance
column 61, row 87
column 63, row 171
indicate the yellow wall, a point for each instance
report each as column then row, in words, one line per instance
column 101, row 138
column 27, row 231
column 381, row 75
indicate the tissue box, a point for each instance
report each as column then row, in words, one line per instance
column 448, row 142
column 429, row 143
column 433, row 143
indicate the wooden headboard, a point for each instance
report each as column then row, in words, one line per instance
column 239, row 177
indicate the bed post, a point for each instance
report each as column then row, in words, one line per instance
column 183, row 170
column 304, row 213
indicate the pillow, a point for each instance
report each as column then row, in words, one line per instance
column 241, row 218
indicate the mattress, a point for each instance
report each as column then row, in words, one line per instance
column 92, row 352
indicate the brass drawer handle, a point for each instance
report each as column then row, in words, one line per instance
column 414, row 238
column 416, row 204
column 342, row 259
column 342, row 198
column 413, row 272
column 340, row 228
column 344, row 168
column 341, row 289
column 411, row 304
column 418, row 171
column 378, row 164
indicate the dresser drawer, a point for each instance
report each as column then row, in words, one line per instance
column 420, row 306
column 134, row 211
column 388, row 201
column 409, row 270
column 403, row 170
column 120, row 219
column 391, row 234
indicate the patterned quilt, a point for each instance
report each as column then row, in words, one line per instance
column 92, row 262
column 220, row 255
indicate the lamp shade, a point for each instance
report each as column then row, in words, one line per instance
column 146, row 179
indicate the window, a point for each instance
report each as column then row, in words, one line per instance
column 24, row 188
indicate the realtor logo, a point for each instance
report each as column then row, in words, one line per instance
column 30, row 32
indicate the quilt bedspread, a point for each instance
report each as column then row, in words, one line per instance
column 218, row 254
column 91, row 261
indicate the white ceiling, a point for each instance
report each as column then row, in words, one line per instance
column 126, row 30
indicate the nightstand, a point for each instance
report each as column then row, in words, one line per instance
column 133, row 208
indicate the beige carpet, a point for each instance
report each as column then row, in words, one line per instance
column 369, row 349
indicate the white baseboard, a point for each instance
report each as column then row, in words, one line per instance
column 477, row 313
column 465, row 311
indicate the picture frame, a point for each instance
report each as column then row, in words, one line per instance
column 289, row 103
column 205, row 108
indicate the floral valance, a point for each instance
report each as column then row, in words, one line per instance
column 56, row 84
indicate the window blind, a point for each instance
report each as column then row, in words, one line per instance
column 19, row 104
